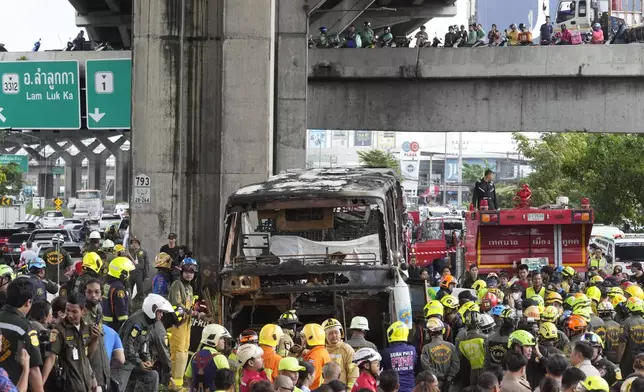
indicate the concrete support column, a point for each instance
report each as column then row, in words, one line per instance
column 123, row 175
column 291, row 81
column 46, row 185
column 97, row 172
column 73, row 175
column 211, row 65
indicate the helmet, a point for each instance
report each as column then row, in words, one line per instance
column 314, row 334
column 537, row 299
column 594, row 293
column 497, row 310
column 211, row 334
column 446, row 281
column 633, row 306
column 36, row 264
column 479, row 284
column 509, row 314
column 513, row 26
column 330, row 324
column 581, row 301
column 58, row 238
column 94, row 235
column 92, row 261
column 522, row 338
column 120, row 267
column 576, row 323
column 289, row 318
column 322, row 29
column 594, row 384
column 466, row 311
column 433, row 309
column 614, row 291
column 553, row 297
column 626, row 284
column 569, row 302
column 247, row 351
column 450, row 302
column 489, row 301
column 189, row 264
column 366, row 355
column 397, row 332
column 548, row 331
column 597, row 26
column 635, row 291
column 163, row 260
column 153, row 303
column 592, row 338
column 485, row 323
column 367, row 23
column 532, row 312
column 118, row 248
column 521, row 26
column 596, row 279
column 605, row 308
column 550, row 314
column 359, row 323
column 248, row 336
column 617, row 299
column 270, row 335
column 108, row 244
column 583, row 312
column 568, row 272
column 7, row 272
column 435, row 325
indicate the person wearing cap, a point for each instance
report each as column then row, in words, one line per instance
column 252, row 365
column 140, row 258
column 305, row 377
column 172, row 248
column 357, row 331
column 290, row 367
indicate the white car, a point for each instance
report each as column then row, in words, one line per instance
column 81, row 214
column 52, row 219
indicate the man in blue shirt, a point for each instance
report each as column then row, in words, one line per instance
column 400, row 356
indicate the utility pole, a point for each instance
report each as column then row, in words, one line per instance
column 445, row 173
column 460, row 168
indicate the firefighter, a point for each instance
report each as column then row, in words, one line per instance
column 357, row 330
column 548, row 336
column 116, row 300
column 250, row 360
column 550, row 315
column 94, row 244
column 498, row 341
column 289, row 322
column 608, row 370
column 554, row 299
column 340, row 352
column 484, row 190
column 162, row 280
column 575, row 327
column 631, row 341
column 42, row 286
column 438, row 356
column 367, row 360
column 473, row 346
column 594, row 384
column 269, row 337
column 204, row 363
column 400, row 356
column 569, row 285
column 58, row 260
column 91, row 268
column 447, row 284
column 317, row 355
column 450, row 319
column 6, row 276
column 181, row 297
column 610, row 332
column 522, row 342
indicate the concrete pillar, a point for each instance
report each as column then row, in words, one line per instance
column 123, row 175
column 73, row 175
column 202, row 114
column 97, row 172
column 291, row 80
column 46, row 185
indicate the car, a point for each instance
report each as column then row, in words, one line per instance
column 70, row 223
column 13, row 248
column 43, row 239
column 108, row 220
column 26, row 226
column 81, row 214
column 121, row 209
column 52, row 219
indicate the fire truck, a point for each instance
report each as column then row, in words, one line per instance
column 436, row 238
column 555, row 235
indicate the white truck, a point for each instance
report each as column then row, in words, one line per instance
column 11, row 214
column 89, row 200
column 582, row 14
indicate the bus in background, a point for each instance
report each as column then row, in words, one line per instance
column 91, row 201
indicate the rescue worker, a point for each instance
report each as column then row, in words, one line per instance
column 289, row 322
column 610, row 332
column 537, row 287
column 357, row 330
column 181, row 296
column 484, row 190
column 473, row 346
column 631, row 341
column 367, row 360
column 447, row 284
column 116, row 300
column 72, row 342
column 140, row 258
column 94, row 244
column 58, row 260
column 451, row 319
column 317, row 355
column 160, row 348
column 340, row 352
column 250, row 360
column 608, row 370
column 135, row 334
column 554, row 299
column 498, row 341
column 569, row 285
column 438, row 356
column 6, row 276
column 163, row 279
column 91, row 268
column 597, row 259
column 205, row 363
column 548, row 336
column 522, row 342
column 594, row 384
column 93, row 316
column 575, row 327
column 269, row 337
column 400, row 356
column 550, row 315
column 112, row 233
column 42, row 286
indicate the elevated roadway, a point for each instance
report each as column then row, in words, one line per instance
column 533, row 89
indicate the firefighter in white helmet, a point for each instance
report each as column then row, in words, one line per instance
column 358, row 329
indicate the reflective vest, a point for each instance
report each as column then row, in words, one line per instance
column 601, row 263
column 474, row 351
column 529, row 292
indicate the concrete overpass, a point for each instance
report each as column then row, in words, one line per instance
column 590, row 88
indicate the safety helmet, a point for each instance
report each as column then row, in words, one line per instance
column 7, row 272
column 248, row 336
column 635, row 291
column 270, row 335
column 211, row 334
column 605, row 308
column 596, row 279
column 478, row 285
column 246, row 352
column 553, row 297
column 36, row 264
column 626, row 284
column 594, row 293
column 58, row 238
column 466, row 311
column 592, row 338
column 617, row 299
column 359, row 323
column 568, row 272
column 614, row 291
column 548, row 331
column 108, row 244
column 92, row 261
column 153, row 303
column 633, row 304
column 550, row 314
column 446, row 281
column 367, row 23
column 594, row 384
column 397, row 332
column 488, row 301
column 433, row 309
column 288, row 318
column 569, row 302
column 435, row 324
column 537, row 299
column 497, row 310
column 581, row 301
column 163, row 260
column 521, row 26
column 366, row 355
column 485, row 323
column 322, row 29
column 522, row 338
column 576, row 323
column 513, row 26
column 509, row 313
column 314, row 334
column 532, row 312
column 450, row 302
column 189, row 264
column 331, row 324
column 597, row 26
column 583, row 312
column 120, row 267
column 94, row 235
column 118, row 248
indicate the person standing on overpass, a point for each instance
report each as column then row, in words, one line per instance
column 484, row 190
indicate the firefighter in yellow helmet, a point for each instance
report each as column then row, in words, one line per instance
column 400, row 355
column 91, row 269
column 116, row 300
column 269, row 338
column 340, row 352
column 316, row 355
column 289, row 322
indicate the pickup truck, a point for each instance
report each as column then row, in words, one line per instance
column 42, row 238
column 26, row 226
column 52, row 219
column 13, row 248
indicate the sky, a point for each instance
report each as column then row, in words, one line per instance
column 25, row 21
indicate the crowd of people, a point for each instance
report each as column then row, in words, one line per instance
column 548, row 330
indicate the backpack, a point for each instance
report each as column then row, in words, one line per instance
column 202, row 362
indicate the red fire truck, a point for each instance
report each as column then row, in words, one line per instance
column 553, row 235
column 436, row 238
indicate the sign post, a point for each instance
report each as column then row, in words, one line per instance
column 40, row 95
column 109, row 93
column 59, row 203
column 142, row 189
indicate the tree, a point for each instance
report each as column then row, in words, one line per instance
column 10, row 179
column 379, row 159
column 473, row 172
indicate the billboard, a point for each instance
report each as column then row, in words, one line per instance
column 317, row 138
column 339, row 139
column 386, row 140
column 410, row 170
column 452, row 167
column 362, row 139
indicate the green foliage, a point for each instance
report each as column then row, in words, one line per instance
column 379, row 159
column 473, row 173
column 10, row 179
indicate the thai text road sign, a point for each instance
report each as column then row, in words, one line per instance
column 21, row 160
column 109, row 93
column 39, row 95
column 142, row 189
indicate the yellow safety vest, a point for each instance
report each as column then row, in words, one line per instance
column 529, row 293
column 601, row 263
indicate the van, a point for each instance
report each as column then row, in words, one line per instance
column 621, row 249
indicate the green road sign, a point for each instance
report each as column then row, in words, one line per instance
column 57, row 170
column 20, row 160
column 109, row 93
column 40, row 95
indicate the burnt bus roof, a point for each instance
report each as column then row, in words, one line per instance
column 320, row 183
